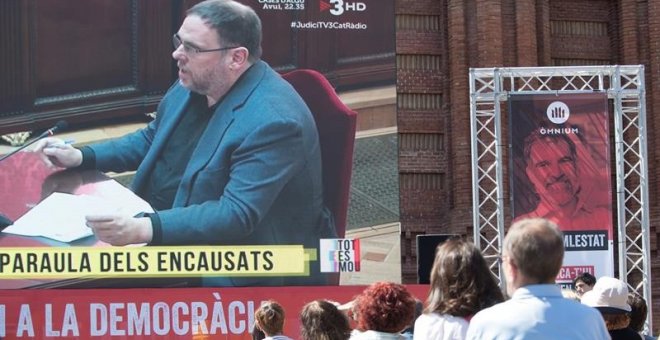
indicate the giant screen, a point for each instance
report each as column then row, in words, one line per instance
column 91, row 289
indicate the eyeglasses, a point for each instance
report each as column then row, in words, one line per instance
column 192, row 50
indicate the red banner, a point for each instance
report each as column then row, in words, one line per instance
column 193, row 313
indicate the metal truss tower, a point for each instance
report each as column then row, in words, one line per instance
column 624, row 85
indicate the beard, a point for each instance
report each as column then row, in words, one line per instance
column 560, row 193
column 203, row 81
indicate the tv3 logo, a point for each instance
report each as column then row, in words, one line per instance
column 338, row 7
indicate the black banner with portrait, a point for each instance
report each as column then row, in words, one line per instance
column 560, row 170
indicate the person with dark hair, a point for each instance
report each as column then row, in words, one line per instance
column 232, row 158
column 610, row 297
column 256, row 333
column 382, row 311
column 532, row 254
column 638, row 314
column 269, row 318
column 409, row 332
column 551, row 165
column 321, row 320
column 583, row 283
column 461, row 285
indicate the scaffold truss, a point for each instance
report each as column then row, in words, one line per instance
column 624, row 85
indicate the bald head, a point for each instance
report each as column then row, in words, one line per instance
column 536, row 247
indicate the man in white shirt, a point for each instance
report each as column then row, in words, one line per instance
column 533, row 252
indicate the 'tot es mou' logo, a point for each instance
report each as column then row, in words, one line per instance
column 338, row 7
column 340, row 255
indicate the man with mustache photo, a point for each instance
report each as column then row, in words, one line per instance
column 551, row 165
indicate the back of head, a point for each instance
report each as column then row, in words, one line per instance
column 616, row 321
column 419, row 308
column 321, row 320
column 270, row 318
column 236, row 24
column 461, row 282
column 638, row 312
column 536, row 246
column 257, row 334
column 384, row 307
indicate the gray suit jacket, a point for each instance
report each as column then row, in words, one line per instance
column 254, row 177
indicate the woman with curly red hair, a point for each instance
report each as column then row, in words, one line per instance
column 461, row 285
column 382, row 311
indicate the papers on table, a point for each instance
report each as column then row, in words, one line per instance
column 62, row 216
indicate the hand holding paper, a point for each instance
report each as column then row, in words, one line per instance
column 64, row 217
column 120, row 230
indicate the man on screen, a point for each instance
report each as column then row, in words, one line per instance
column 551, row 164
column 232, row 158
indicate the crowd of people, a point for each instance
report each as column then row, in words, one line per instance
column 465, row 301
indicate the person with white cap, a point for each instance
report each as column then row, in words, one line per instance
column 610, row 297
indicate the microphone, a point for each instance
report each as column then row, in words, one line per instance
column 61, row 125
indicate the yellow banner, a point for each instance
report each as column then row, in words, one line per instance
column 57, row 263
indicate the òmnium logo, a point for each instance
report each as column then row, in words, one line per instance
column 558, row 112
